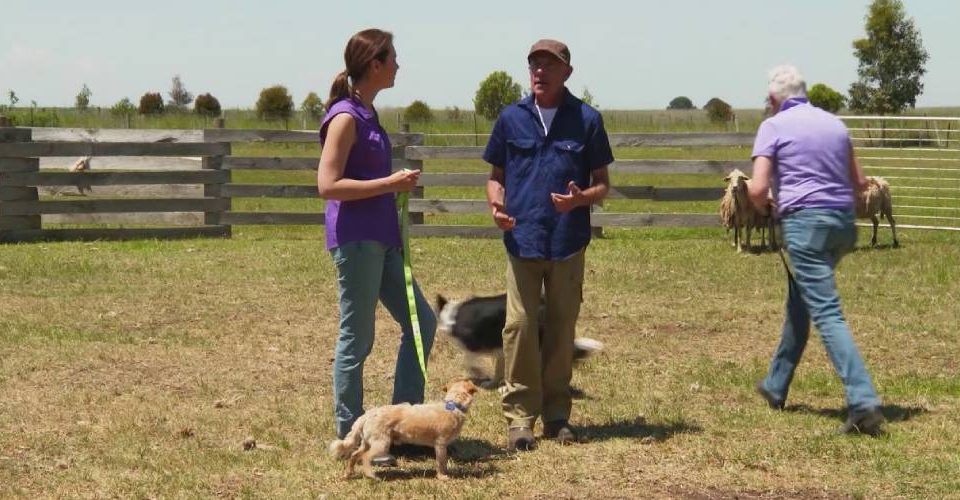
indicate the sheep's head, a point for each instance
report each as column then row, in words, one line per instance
column 737, row 181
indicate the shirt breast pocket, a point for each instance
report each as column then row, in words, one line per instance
column 520, row 155
column 569, row 155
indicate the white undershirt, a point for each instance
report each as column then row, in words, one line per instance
column 546, row 117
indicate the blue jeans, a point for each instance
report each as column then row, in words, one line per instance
column 816, row 240
column 368, row 271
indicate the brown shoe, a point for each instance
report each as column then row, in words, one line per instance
column 560, row 430
column 520, row 439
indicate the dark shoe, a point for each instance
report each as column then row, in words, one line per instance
column 384, row 461
column 863, row 422
column 520, row 439
column 772, row 402
column 559, row 430
column 412, row 451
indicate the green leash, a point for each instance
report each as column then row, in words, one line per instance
column 403, row 207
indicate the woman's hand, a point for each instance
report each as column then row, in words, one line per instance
column 403, row 181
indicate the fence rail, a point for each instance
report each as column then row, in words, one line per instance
column 924, row 172
column 183, row 180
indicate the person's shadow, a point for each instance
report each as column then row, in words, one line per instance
column 893, row 413
column 638, row 428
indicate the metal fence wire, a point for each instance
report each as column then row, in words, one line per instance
column 920, row 158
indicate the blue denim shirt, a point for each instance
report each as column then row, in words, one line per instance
column 536, row 165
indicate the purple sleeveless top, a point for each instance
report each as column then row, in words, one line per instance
column 370, row 218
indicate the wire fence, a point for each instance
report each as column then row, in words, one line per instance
column 920, row 158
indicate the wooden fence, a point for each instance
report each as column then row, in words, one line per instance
column 196, row 187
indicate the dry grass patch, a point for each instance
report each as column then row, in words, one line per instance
column 202, row 369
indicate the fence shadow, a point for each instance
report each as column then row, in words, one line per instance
column 893, row 413
column 637, row 428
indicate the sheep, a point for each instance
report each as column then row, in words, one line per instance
column 82, row 165
column 876, row 199
column 736, row 211
column 767, row 222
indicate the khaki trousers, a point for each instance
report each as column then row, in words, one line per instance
column 538, row 370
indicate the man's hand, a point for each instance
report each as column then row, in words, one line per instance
column 501, row 218
column 567, row 202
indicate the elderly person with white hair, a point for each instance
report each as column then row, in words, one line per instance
column 806, row 155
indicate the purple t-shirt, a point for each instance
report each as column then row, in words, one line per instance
column 810, row 151
column 370, row 218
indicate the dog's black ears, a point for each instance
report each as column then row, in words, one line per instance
column 441, row 301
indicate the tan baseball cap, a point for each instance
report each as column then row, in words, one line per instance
column 553, row 47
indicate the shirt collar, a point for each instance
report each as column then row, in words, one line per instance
column 793, row 101
column 568, row 100
column 359, row 107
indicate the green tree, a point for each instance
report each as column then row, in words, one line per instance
column 681, row 102
column 824, row 97
column 588, row 98
column 312, row 106
column 151, row 103
column 496, row 92
column 892, row 60
column 718, row 111
column 418, row 112
column 83, row 98
column 206, row 105
column 123, row 109
column 13, row 99
column 275, row 103
column 179, row 97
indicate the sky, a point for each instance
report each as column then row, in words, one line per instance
column 630, row 54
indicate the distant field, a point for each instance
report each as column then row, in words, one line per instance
column 446, row 121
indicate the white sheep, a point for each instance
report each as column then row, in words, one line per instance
column 737, row 213
column 876, row 199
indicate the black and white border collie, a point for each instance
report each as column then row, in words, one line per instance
column 477, row 325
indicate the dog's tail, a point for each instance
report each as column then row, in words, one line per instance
column 342, row 448
column 584, row 347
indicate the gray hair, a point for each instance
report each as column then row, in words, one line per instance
column 786, row 82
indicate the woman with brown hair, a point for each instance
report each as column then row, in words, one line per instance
column 362, row 229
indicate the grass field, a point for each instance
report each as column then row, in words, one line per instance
column 138, row 370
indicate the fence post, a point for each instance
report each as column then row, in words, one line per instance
column 9, row 193
column 596, row 208
column 215, row 191
column 417, row 193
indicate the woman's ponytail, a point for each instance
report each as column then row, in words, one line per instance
column 340, row 89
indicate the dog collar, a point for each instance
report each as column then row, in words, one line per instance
column 453, row 405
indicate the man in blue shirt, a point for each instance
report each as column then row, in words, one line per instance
column 549, row 154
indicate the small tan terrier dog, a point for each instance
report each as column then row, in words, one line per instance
column 430, row 424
